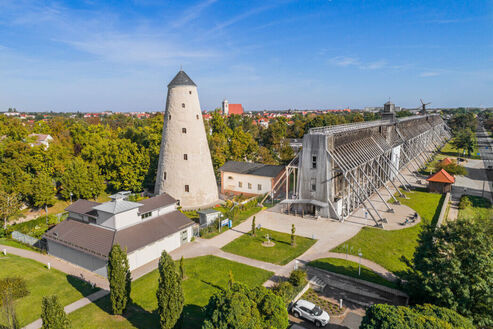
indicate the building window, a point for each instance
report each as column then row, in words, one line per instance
column 146, row 215
column 259, row 187
column 314, row 161
column 164, row 175
column 313, row 184
column 184, row 130
column 183, row 105
column 197, row 116
column 240, row 184
column 169, row 117
column 190, row 92
column 230, row 177
column 187, row 188
column 249, row 186
column 185, row 156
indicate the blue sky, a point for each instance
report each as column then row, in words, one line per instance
column 275, row 54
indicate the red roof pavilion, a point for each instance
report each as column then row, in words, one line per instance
column 446, row 162
column 441, row 177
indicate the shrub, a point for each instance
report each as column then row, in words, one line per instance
column 465, row 202
column 285, row 290
column 298, row 278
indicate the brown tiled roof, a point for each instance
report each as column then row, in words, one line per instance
column 90, row 239
column 156, row 202
column 441, row 177
column 82, row 206
column 140, row 235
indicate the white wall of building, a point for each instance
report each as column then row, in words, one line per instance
column 231, row 182
column 153, row 251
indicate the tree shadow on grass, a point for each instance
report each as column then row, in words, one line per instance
column 84, row 287
column 192, row 316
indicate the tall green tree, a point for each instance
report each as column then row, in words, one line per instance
column 464, row 140
column 11, row 289
column 453, row 267
column 169, row 293
column 53, row 315
column 119, row 278
column 43, row 190
column 10, row 206
column 82, row 179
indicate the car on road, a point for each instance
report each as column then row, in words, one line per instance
column 309, row 311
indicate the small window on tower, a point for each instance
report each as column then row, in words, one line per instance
column 164, row 175
column 313, row 184
column 190, row 92
column 197, row 116
column 314, row 161
column 169, row 117
column 185, row 156
column 184, row 130
column 187, row 188
column 183, row 105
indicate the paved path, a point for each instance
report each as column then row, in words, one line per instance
column 73, row 307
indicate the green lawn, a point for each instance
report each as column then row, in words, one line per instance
column 240, row 218
column 481, row 209
column 281, row 253
column 17, row 244
column 40, row 282
column 387, row 247
column 205, row 275
column 449, row 150
column 349, row 268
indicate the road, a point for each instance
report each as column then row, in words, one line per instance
column 485, row 145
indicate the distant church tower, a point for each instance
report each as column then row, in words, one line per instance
column 225, row 107
column 185, row 167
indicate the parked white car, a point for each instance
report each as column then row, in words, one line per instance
column 309, row 311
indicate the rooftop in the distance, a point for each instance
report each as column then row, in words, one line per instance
column 251, row 168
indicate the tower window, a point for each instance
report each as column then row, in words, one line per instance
column 187, row 188
column 185, row 156
column 184, row 130
column 313, row 184
column 169, row 117
column 164, row 175
column 183, row 105
column 314, row 161
column 190, row 92
column 197, row 116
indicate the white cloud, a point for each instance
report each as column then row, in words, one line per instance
column 428, row 74
column 344, row 61
column 192, row 13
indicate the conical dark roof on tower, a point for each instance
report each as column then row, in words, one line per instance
column 181, row 79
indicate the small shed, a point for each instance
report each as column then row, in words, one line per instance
column 446, row 162
column 208, row 216
column 440, row 182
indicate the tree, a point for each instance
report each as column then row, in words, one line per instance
column 241, row 307
column 169, row 293
column 453, row 267
column 119, row 278
column 10, row 206
column 464, row 140
column 182, row 269
column 452, row 168
column 293, row 230
column 11, row 289
column 43, row 190
column 254, row 233
column 417, row 317
column 82, row 179
column 53, row 315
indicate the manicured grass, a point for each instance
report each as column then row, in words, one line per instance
column 40, row 282
column 481, row 209
column 388, row 247
column 205, row 276
column 350, row 268
column 449, row 150
column 281, row 253
column 17, row 244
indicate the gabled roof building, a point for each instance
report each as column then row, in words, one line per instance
column 144, row 228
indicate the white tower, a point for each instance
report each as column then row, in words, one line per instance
column 185, row 167
column 225, row 107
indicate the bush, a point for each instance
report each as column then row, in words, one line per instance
column 297, row 278
column 465, row 202
column 285, row 290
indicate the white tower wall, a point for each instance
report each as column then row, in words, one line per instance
column 184, row 134
column 225, row 107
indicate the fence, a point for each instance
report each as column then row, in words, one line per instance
column 24, row 238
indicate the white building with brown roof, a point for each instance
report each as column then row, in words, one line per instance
column 144, row 228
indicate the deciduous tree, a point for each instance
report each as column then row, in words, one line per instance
column 11, row 289
column 10, row 206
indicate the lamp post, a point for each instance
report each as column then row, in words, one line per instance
column 359, row 265
column 71, row 197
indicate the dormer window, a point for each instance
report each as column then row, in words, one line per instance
column 146, row 215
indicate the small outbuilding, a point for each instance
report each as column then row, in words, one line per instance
column 208, row 216
column 446, row 162
column 440, row 182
